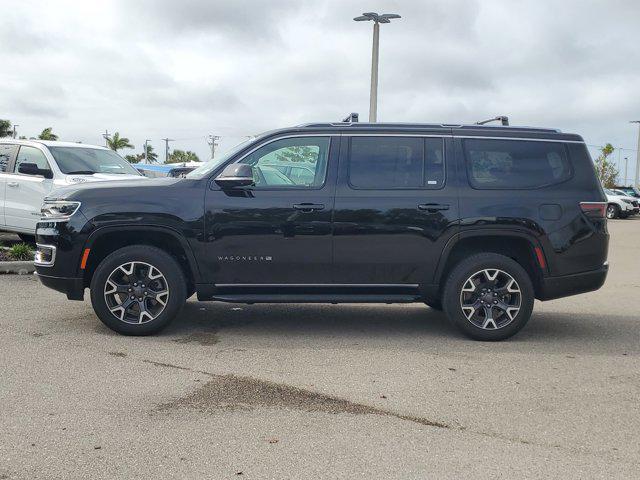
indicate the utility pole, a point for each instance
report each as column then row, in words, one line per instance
column 14, row 130
column 166, row 148
column 212, row 140
column 106, row 136
column 146, row 155
column 626, row 169
column 377, row 20
column 637, row 179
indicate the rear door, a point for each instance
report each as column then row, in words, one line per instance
column 7, row 152
column 396, row 207
column 24, row 193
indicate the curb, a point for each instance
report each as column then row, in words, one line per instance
column 21, row 268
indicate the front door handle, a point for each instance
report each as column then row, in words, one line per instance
column 13, row 184
column 308, row 207
column 432, row 207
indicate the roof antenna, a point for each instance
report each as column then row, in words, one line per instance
column 502, row 118
column 352, row 118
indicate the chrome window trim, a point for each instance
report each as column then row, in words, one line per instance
column 53, row 248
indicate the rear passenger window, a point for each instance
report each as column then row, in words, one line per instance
column 513, row 164
column 6, row 152
column 396, row 162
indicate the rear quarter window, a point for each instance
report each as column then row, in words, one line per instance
column 515, row 164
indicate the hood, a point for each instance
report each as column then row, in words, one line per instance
column 109, row 187
column 100, row 177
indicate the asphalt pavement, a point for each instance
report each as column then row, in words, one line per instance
column 323, row 391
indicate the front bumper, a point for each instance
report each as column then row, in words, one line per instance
column 73, row 287
column 567, row 285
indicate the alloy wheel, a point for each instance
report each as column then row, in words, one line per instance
column 490, row 299
column 136, row 292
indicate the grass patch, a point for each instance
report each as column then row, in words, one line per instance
column 21, row 251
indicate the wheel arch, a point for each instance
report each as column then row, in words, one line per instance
column 522, row 247
column 106, row 240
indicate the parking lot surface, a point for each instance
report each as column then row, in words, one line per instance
column 323, row 391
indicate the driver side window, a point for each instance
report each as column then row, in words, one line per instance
column 31, row 155
column 299, row 162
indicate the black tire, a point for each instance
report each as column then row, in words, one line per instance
column 26, row 238
column 613, row 211
column 435, row 304
column 144, row 254
column 467, row 268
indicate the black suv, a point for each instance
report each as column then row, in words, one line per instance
column 475, row 220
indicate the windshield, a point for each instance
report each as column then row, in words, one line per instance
column 87, row 161
column 214, row 163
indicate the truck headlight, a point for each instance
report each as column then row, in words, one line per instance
column 58, row 209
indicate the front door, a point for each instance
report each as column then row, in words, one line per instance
column 7, row 152
column 396, row 207
column 24, row 193
column 277, row 232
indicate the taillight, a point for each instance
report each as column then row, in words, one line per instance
column 594, row 209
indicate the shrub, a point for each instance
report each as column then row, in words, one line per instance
column 21, row 251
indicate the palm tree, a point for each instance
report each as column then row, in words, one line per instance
column 117, row 142
column 152, row 157
column 47, row 134
column 5, row 128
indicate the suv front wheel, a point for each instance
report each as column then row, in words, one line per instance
column 488, row 296
column 138, row 290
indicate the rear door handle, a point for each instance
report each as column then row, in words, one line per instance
column 432, row 207
column 13, row 184
column 308, row 207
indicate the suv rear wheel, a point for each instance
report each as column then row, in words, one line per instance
column 488, row 296
column 138, row 290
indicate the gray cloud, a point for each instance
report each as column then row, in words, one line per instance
column 190, row 68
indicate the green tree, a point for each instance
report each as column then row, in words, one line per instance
column 117, row 142
column 180, row 156
column 606, row 170
column 47, row 134
column 301, row 153
column 5, row 128
column 137, row 158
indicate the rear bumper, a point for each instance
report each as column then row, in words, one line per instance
column 72, row 287
column 567, row 285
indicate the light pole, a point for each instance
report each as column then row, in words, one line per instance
column 166, row 148
column 106, row 136
column 146, row 154
column 212, row 140
column 377, row 20
column 636, row 182
column 626, row 169
column 14, row 130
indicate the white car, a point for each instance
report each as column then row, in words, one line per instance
column 30, row 169
column 620, row 206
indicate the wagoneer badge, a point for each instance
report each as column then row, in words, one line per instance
column 245, row 258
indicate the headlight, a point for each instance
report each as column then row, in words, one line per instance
column 58, row 209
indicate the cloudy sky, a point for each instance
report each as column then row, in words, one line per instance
column 188, row 68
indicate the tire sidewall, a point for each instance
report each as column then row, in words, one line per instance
column 466, row 268
column 153, row 256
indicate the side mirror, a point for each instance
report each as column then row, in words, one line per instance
column 235, row 175
column 32, row 169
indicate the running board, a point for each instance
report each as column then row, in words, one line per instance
column 309, row 298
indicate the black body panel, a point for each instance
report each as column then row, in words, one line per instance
column 362, row 245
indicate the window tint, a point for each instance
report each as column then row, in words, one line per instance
column 6, row 153
column 396, row 162
column 31, row 155
column 279, row 163
column 513, row 164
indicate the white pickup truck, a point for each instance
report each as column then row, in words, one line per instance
column 30, row 169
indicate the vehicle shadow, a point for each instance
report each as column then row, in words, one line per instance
column 408, row 326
